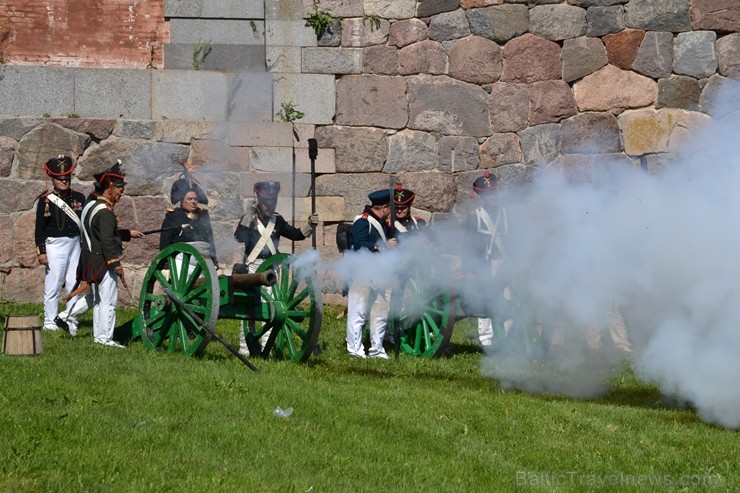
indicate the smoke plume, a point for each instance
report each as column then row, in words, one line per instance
column 612, row 239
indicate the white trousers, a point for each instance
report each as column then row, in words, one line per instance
column 365, row 303
column 76, row 307
column 485, row 325
column 617, row 331
column 105, row 299
column 63, row 254
column 243, row 349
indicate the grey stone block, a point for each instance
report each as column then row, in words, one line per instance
column 285, row 9
column 283, row 59
column 191, row 95
column 274, row 159
column 183, row 8
column 223, row 9
column 217, row 31
column 332, row 60
column 289, row 33
column 695, row 54
column 260, row 134
column 604, row 20
column 313, row 94
column 134, row 129
column 35, row 91
column 250, row 97
column 113, row 93
column 233, row 9
column 540, row 144
column 227, row 58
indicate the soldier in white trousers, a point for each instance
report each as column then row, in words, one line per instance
column 57, row 235
column 486, row 228
column 366, row 302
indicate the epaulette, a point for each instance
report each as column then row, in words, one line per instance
column 170, row 209
column 365, row 215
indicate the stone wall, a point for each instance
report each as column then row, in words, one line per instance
column 428, row 91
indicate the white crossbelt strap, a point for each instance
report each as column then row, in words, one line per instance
column 85, row 212
column 486, row 226
column 372, row 223
column 64, row 207
column 402, row 229
column 265, row 239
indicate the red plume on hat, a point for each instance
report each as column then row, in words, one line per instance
column 113, row 176
column 486, row 183
column 403, row 196
column 59, row 166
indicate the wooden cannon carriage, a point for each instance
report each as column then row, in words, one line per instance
column 182, row 298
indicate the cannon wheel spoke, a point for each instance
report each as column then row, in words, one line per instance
column 298, row 309
column 423, row 315
column 165, row 325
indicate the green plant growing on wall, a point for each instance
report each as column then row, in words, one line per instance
column 200, row 51
column 319, row 20
column 373, row 19
column 289, row 113
column 73, row 115
column 46, row 115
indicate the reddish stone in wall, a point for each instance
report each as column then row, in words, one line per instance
column 715, row 15
column 84, row 33
column 621, row 48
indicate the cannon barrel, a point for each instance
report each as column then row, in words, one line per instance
column 266, row 278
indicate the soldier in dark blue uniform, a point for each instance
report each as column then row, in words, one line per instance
column 371, row 231
column 58, row 235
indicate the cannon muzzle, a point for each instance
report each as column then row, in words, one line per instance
column 266, row 278
column 241, row 281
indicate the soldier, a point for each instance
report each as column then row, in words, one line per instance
column 486, row 228
column 102, row 251
column 188, row 223
column 260, row 230
column 403, row 198
column 371, row 231
column 58, row 235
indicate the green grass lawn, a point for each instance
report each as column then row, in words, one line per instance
column 86, row 418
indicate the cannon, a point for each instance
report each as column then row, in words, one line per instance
column 424, row 311
column 182, row 298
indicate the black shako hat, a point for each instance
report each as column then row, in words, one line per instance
column 267, row 191
column 403, row 196
column 486, row 183
column 380, row 197
column 182, row 186
column 112, row 176
column 59, row 166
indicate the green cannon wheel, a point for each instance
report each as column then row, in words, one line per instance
column 295, row 307
column 164, row 324
column 517, row 332
column 423, row 314
column 526, row 337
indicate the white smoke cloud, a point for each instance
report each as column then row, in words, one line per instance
column 660, row 246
